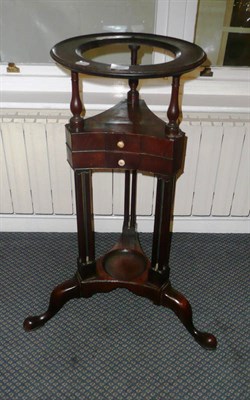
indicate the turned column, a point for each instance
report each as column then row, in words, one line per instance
column 76, row 122
column 85, row 219
column 133, row 99
column 173, row 109
column 83, row 185
column 130, row 201
column 133, row 94
column 165, row 194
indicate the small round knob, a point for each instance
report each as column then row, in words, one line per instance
column 120, row 144
column 121, row 163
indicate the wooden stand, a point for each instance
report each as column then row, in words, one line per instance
column 130, row 137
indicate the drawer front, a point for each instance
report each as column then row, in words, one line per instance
column 103, row 159
column 120, row 142
column 116, row 160
column 103, row 141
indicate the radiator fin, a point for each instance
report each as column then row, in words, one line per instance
column 36, row 178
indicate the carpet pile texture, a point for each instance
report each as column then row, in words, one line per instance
column 119, row 346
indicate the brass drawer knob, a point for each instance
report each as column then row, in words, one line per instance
column 12, row 67
column 121, row 163
column 120, row 144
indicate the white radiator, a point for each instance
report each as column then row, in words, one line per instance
column 37, row 191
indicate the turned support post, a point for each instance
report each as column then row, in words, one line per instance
column 173, row 109
column 162, row 233
column 76, row 122
column 133, row 94
column 85, row 220
column 130, row 200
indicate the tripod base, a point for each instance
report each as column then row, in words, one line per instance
column 121, row 261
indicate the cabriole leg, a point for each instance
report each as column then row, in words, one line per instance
column 174, row 300
column 60, row 295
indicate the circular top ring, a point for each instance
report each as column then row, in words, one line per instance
column 69, row 53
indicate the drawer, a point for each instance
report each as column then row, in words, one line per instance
column 119, row 160
column 102, row 159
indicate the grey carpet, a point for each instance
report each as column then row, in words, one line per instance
column 117, row 345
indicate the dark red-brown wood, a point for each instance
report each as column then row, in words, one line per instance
column 131, row 138
column 173, row 109
column 76, row 122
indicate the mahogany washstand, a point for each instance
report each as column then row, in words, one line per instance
column 129, row 137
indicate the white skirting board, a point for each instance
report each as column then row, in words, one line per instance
column 31, row 223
